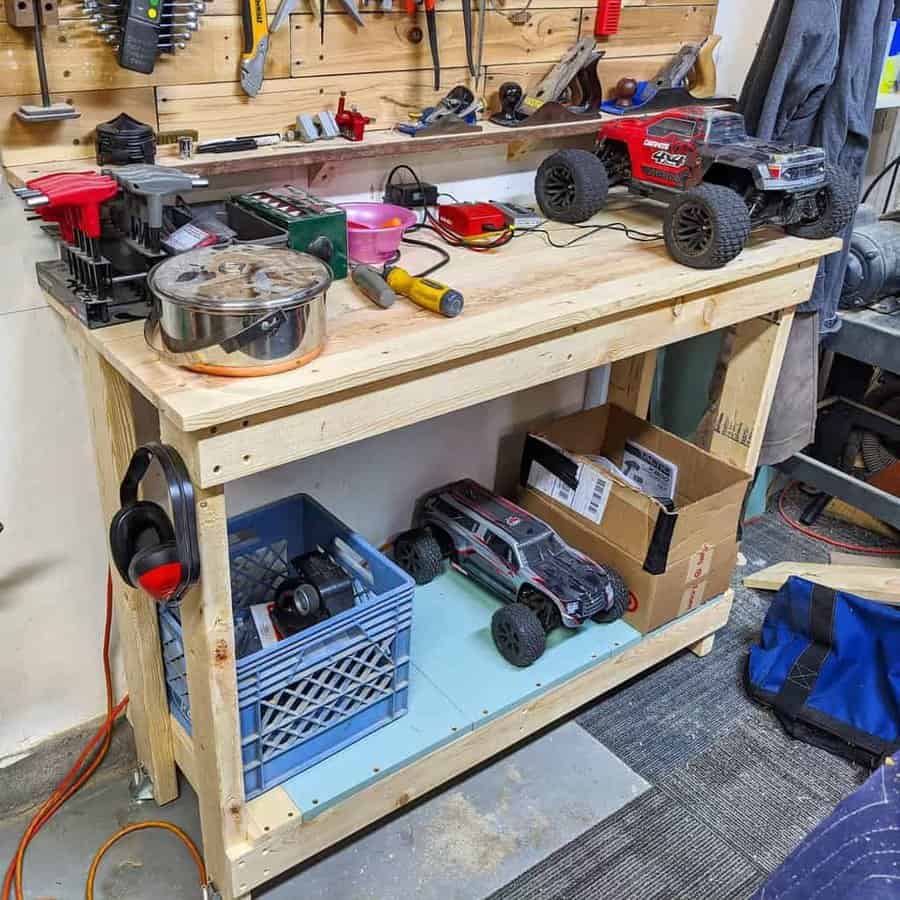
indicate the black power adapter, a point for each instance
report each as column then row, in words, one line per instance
column 412, row 194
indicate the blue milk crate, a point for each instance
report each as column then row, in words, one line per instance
column 314, row 693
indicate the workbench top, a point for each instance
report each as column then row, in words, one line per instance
column 518, row 294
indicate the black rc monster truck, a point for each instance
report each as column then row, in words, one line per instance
column 718, row 182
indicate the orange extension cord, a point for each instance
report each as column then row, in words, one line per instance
column 141, row 826
column 843, row 545
column 75, row 780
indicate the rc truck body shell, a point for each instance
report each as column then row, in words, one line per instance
column 678, row 149
column 509, row 551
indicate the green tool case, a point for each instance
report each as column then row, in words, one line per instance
column 313, row 225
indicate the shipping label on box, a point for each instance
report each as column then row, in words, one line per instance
column 588, row 498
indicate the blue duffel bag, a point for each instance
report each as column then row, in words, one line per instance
column 828, row 664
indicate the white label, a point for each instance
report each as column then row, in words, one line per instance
column 593, row 494
column 588, row 499
column 263, row 622
column 654, row 475
column 187, row 237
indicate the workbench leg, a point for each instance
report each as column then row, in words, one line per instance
column 631, row 383
column 744, row 385
column 208, row 628
column 704, row 647
column 113, row 434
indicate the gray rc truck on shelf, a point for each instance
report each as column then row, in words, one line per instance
column 543, row 582
column 718, row 182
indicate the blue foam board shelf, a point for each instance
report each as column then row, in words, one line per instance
column 431, row 721
column 452, row 644
column 458, row 681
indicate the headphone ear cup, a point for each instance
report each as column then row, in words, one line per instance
column 157, row 570
column 135, row 528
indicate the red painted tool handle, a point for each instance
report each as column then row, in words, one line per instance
column 609, row 13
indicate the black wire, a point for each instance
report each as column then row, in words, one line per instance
column 444, row 254
column 893, row 164
column 445, row 194
column 633, row 234
column 432, row 224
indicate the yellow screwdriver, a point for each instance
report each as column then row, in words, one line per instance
column 424, row 292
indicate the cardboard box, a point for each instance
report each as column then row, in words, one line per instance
column 673, row 555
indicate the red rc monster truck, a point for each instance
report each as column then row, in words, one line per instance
column 717, row 182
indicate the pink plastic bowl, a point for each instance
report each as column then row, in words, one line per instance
column 373, row 243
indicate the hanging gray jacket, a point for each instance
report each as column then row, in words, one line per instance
column 815, row 81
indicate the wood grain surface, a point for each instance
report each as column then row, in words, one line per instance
column 385, row 67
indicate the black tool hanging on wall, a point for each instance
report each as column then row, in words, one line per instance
column 151, row 550
column 140, row 30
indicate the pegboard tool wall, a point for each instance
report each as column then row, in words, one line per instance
column 385, row 71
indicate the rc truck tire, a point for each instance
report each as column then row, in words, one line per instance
column 707, row 226
column 620, row 599
column 418, row 553
column 518, row 634
column 837, row 202
column 571, row 186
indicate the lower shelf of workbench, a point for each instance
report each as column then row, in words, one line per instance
column 466, row 705
column 458, row 682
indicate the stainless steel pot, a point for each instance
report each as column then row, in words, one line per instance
column 238, row 310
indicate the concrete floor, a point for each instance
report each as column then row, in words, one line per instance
column 462, row 844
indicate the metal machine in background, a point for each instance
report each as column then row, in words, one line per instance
column 855, row 453
column 873, row 268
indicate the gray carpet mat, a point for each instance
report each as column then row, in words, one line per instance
column 732, row 793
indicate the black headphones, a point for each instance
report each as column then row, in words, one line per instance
column 150, row 550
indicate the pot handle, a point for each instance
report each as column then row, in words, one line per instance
column 267, row 326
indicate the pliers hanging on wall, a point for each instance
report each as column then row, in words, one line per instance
column 431, row 20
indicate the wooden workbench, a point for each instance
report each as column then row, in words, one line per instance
column 533, row 314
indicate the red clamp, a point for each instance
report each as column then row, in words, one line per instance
column 351, row 122
column 72, row 200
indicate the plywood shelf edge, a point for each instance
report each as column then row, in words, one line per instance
column 377, row 144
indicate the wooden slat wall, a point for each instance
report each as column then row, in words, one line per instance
column 384, row 71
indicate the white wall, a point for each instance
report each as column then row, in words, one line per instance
column 741, row 25
column 52, row 562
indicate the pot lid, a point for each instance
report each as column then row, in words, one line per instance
column 239, row 279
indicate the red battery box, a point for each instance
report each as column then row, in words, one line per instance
column 470, row 219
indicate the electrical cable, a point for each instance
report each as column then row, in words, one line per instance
column 478, row 245
column 633, row 234
column 893, row 164
column 77, row 776
column 843, row 545
column 444, row 254
column 141, row 826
